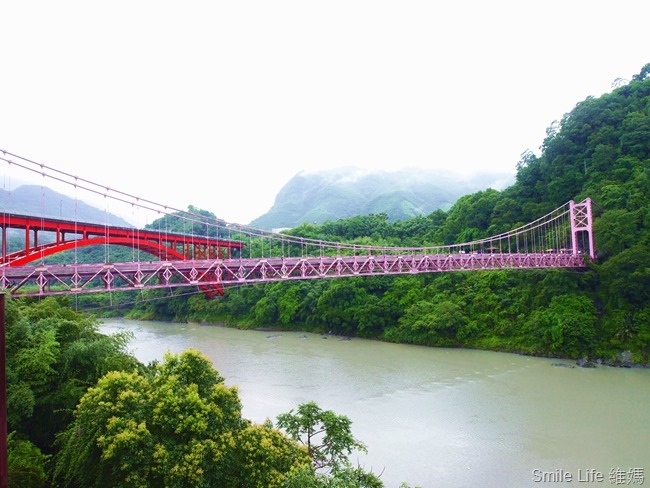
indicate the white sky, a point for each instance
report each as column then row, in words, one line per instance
column 218, row 104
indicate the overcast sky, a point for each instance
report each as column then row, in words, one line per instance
column 218, row 104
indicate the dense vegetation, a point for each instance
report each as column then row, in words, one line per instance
column 82, row 412
column 601, row 149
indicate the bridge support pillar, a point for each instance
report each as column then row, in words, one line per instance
column 581, row 221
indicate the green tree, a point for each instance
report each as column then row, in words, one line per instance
column 327, row 436
column 336, row 307
column 616, row 231
column 53, row 355
column 289, row 303
column 329, row 442
column 264, row 456
column 26, row 463
column 266, row 310
column 433, row 323
column 567, row 327
column 178, row 425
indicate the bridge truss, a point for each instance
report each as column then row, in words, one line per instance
column 561, row 239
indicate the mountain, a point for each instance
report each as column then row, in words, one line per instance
column 316, row 197
column 41, row 201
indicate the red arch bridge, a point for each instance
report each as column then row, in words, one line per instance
column 561, row 239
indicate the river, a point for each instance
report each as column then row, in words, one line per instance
column 436, row 417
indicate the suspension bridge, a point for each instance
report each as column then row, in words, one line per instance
column 228, row 254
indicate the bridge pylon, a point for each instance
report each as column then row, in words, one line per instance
column 581, row 222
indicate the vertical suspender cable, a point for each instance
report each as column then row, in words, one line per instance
column 76, row 226
column 106, row 231
column 42, row 224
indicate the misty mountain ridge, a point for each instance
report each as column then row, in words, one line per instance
column 320, row 196
column 310, row 196
column 41, row 201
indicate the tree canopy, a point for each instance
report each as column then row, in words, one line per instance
column 177, row 424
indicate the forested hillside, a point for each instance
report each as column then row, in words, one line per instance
column 600, row 149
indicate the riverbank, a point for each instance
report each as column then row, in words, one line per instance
column 622, row 359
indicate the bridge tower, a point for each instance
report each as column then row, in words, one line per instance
column 581, row 221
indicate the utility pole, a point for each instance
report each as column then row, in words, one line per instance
column 4, row 471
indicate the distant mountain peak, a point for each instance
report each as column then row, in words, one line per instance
column 319, row 196
column 37, row 200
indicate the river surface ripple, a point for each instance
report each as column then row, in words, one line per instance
column 436, row 417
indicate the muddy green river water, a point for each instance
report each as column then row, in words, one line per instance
column 436, row 417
